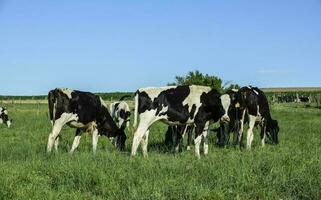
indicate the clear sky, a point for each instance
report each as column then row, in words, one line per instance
column 104, row 46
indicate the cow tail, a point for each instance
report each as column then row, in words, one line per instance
column 136, row 109
column 52, row 105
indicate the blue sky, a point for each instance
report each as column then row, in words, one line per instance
column 104, row 46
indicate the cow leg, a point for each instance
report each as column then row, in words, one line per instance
column 138, row 135
column 56, row 144
column 205, row 135
column 146, row 120
column 144, row 143
column 226, row 134
column 236, row 132
column 174, row 137
column 198, row 137
column 76, row 142
column 181, row 131
column 189, row 138
column 179, row 139
column 219, row 135
column 95, row 139
column 263, row 133
column 250, row 131
column 59, row 123
column 179, row 135
column 54, row 134
column 241, row 129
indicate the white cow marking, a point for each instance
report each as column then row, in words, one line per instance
column 66, row 91
column 195, row 99
column 226, row 102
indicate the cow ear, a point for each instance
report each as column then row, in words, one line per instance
column 237, row 105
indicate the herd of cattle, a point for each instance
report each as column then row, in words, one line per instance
column 186, row 109
column 289, row 98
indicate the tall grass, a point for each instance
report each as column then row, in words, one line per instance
column 290, row 170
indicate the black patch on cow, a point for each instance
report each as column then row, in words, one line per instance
column 116, row 105
column 191, row 114
column 173, row 99
column 144, row 102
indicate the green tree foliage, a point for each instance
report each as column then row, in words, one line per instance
column 230, row 86
column 197, row 78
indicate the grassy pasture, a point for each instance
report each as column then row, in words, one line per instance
column 291, row 170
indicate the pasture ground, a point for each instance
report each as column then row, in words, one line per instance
column 290, row 170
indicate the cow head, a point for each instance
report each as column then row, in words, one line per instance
column 124, row 119
column 120, row 140
column 272, row 131
column 226, row 102
column 108, row 127
column 4, row 118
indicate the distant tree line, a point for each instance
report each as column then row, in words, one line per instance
column 106, row 96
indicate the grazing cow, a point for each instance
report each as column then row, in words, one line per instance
column 253, row 102
column 234, row 113
column 304, row 99
column 223, row 132
column 178, row 105
column 175, row 134
column 82, row 110
column 120, row 112
column 4, row 118
column 286, row 98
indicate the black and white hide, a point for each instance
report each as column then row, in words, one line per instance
column 84, row 111
column 4, row 118
column 233, row 126
column 178, row 105
column 120, row 112
column 254, row 104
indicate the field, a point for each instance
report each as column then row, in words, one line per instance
column 290, row 170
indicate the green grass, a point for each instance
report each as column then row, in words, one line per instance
column 290, row 170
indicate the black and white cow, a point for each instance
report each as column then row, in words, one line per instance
column 120, row 112
column 234, row 113
column 178, row 105
column 4, row 118
column 304, row 99
column 253, row 102
column 82, row 110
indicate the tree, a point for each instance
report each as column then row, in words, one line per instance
column 197, row 78
column 229, row 86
